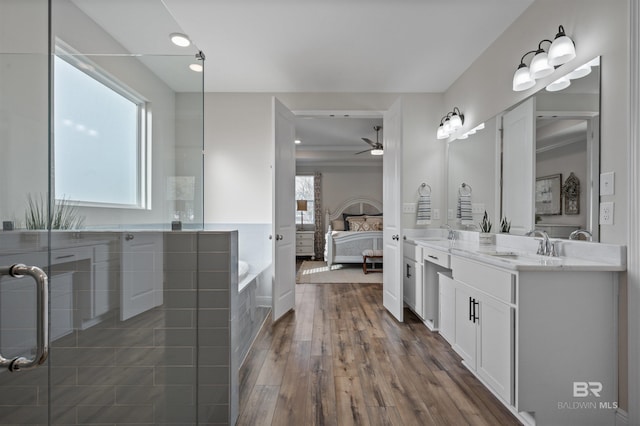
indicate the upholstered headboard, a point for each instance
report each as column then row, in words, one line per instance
column 356, row 206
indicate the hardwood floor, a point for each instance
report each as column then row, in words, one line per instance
column 341, row 359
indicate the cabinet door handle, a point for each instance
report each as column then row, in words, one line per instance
column 470, row 309
column 408, row 271
column 476, row 304
column 432, row 257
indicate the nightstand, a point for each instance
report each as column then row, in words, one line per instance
column 305, row 243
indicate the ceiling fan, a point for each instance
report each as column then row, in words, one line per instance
column 376, row 147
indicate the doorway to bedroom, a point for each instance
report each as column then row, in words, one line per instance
column 335, row 167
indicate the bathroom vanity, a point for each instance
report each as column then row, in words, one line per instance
column 540, row 332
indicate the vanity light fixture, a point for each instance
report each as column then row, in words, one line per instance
column 297, row 141
column 471, row 132
column 561, row 50
column 450, row 123
column 582, row 71
column 539, row 66
column 561, row 83
column 522, row 79
column 180, row 39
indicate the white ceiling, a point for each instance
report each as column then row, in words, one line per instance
column 341, row 45
column 311, row 46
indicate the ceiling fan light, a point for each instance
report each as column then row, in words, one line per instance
column 195, row 67
column 562, row 50
column 559, row 84
column 522, row 79
column 581, row 71
column 539, row 66
column 377, row 151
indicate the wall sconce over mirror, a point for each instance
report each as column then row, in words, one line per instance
column 561, row 50
column 450, row 123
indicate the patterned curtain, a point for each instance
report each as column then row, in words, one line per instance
column 317, row 211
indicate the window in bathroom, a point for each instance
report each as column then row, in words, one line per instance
column 100, row 146
column 304, row 191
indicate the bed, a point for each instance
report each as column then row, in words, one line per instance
column 347, row 245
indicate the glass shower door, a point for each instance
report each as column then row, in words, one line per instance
column 124, row 345
column 24, row 175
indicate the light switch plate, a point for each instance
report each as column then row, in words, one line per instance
column 436, row 214
column 606, row 213
column 450, row 214
column 607, row 183
column 409, row 207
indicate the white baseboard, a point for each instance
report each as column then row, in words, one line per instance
column 622, row 418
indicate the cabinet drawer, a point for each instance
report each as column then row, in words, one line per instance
column 498, row 283
column 412, row 251
column 304, row 243
column 436, row 256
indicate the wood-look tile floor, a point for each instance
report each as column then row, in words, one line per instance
column 341, row 359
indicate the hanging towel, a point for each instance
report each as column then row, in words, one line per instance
column 424, row 210
column 464, row 204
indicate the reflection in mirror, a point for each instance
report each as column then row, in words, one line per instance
column 473, row 161
column 568, row 142
column 565, row 127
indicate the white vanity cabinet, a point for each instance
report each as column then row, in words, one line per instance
column 485, row 323
column 412, row 278
column 530, row 333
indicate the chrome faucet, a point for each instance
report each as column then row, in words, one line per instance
column 546, row 247
column 575, row 234
column 452, row 234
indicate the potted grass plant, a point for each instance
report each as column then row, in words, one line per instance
column 64, row 215
column 485, row 237
column 505, row 225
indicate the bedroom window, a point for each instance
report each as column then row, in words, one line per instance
column 304, row 191
column 100, row 147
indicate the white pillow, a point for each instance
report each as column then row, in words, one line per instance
column 337, row 225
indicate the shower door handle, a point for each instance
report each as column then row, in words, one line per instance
column 42, row 290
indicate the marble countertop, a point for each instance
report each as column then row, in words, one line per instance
column 519, row 259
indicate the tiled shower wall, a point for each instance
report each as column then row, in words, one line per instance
column 150, row 368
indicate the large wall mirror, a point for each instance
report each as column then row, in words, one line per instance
column 537, row 163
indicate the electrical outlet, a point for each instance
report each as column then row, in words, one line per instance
column 409, row 207
column 606, row 213
column 607, row 183
column 477, row 208
column 436, row 214
column 450, row 214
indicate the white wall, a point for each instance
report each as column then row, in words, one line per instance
column 598, row 28
column 342, row 183
column 239, row 151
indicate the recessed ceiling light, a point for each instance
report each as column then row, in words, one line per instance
column 297, row 141
column 180, row 39
column 195, row 67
